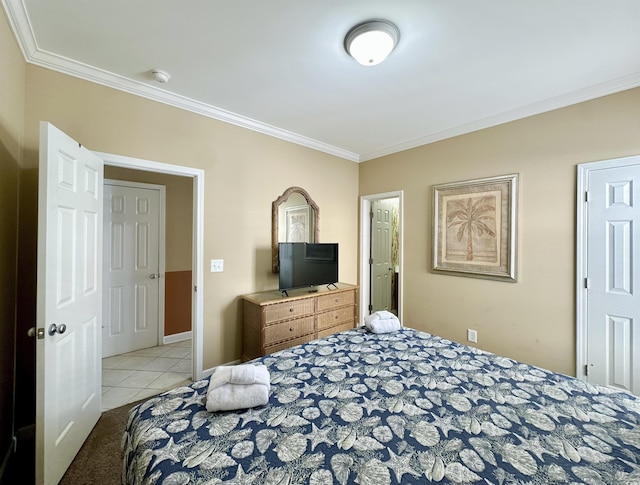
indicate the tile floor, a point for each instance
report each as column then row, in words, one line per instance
column 144, row 373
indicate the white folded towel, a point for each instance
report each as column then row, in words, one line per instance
column 382, row 321
column 238, row 387
column 379, row 315
column 386, row 325
column 239, row 374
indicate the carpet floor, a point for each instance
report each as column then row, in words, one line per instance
column 98, row 462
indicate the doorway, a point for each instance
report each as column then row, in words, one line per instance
column 384, row 268
column 196, row 260
column 148, row 291
column 608, row 276
column 381, row 253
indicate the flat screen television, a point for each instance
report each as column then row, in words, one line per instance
column 307, row 264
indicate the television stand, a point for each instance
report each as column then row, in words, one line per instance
column 273, row 322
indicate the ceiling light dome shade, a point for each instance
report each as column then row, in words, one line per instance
column 371, row 42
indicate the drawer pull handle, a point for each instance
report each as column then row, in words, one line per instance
column 290, row 329
column 337, row 300
column 336, row 317
column 290, row 309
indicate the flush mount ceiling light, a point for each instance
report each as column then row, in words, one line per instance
column 371, row 42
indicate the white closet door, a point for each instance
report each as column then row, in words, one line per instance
column 131, row 269
column 613, row 296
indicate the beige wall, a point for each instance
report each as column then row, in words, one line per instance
column 532, row 320
column 9, row 181
column 12, row 95
column 244, row 172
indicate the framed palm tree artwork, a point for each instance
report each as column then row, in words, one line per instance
column 475, row 228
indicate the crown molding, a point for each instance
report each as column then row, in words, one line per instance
column 21, row 26
column 99, row 76
column 557, row 102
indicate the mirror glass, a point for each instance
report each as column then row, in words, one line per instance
column 294, row 218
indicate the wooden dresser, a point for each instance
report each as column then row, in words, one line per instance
column 274, row 322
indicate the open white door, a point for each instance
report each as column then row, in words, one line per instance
column 382, row 268
column 69, row 301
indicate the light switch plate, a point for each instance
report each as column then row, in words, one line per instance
column 217, row 265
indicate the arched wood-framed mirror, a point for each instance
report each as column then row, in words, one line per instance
column 294, row 218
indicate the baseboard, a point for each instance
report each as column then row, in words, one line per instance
column 208, row 372
column 22, row 465
column 176, row 337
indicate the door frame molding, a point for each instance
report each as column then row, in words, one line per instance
column 197, row 318
column 365, row 242
column 162, row 242
column 583, row 172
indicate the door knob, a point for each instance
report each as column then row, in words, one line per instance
column 53, row 329
column 153, row 276
column 31, row 332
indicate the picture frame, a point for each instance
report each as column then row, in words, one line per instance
column 297, row 224
column 475, row 228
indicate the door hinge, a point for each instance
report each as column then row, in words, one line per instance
column 586, row 369
column 370, row 261
column 370, row 308
column 195, row 288
column 586, row 283
column 586, row 196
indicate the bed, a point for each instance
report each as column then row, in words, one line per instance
column 402, row 407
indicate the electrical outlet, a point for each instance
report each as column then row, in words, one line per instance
column 217, row 265
column 472, row 336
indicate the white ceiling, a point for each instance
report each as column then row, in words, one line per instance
column 279, row 66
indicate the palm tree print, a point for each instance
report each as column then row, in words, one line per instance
column 472, row 215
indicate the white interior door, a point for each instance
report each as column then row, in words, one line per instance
column 131, row 268
column 613, row 296
column 69, row 292
column 382, row 268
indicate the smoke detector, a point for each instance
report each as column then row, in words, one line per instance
column 160, row 76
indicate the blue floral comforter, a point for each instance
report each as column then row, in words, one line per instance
column 405, row 407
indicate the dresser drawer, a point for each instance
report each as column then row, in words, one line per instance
column 273, row 322
column 328, row 302
column 289, row 343
column 288, row 330
column 287, row 310
column 335, row 317
column 336, row 329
